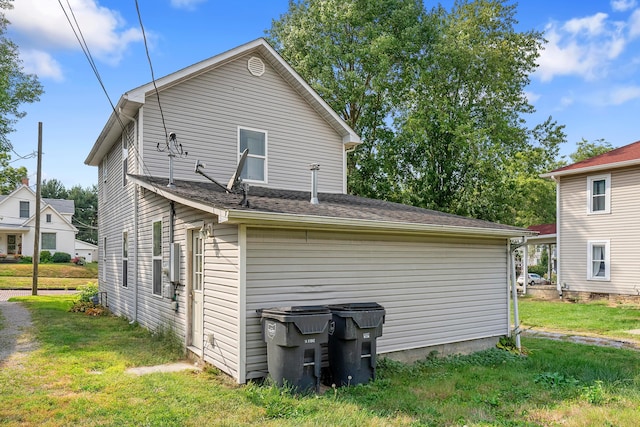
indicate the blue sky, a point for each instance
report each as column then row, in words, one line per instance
column 588, row 78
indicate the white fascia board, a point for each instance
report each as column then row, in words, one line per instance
column 220, row 213
column 589, row 169
column 270, row 219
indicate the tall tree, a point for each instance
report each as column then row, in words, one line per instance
column 53, row 189
column 355, row 54
column 86, row 212
column 438, row 97
column 586, row 149
column 16, row 88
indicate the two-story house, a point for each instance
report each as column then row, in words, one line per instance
column 18, row 218
column 598, row 226
column 176, row 250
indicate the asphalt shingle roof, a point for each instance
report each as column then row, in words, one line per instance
column 343, row 206
column 623, row 154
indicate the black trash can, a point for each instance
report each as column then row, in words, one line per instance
column 352, row 342
column 294, row 337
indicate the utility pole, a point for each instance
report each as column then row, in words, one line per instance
column 36, row 238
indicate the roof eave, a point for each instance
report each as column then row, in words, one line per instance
column 588, row 169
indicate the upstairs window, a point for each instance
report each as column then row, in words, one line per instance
column 48, row 218
column 157, row 257
column 599, row 194
column 255, row 168
column 24, row 209
column 599, row 265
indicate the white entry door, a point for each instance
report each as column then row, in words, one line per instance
column 197, row 298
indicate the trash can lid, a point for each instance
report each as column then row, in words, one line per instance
column 356, row 306
column 297, row 310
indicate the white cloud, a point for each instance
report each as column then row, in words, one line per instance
column 592, row 25
column 622, row 5
column 42, row 64
column 186, row 4
column 566, row 101
column 634, row 24
column 622, row 95
column 532, row 97
column 583, row 47
column 42, row 25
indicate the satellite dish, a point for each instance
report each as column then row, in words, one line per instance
column 235, row 178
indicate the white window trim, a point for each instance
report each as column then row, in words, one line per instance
column 104, row 258
column 125, row 158
column 607, row 195
column 265, row 157
column 55, row 237
column 125, row 257
column 156, row 257
column 607, row 260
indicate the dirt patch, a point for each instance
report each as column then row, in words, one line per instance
column 16, row 339
column 582, row 339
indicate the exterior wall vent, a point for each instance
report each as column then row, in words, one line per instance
column 256, row 66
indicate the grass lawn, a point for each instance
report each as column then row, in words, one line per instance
column 76, row 377
column 594, row 318
column 50, row 276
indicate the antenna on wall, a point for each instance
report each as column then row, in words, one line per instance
column 235, row 183
column 174, row 149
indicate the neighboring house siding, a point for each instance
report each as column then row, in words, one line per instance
column 435, row 290
column 221, row 299
column 205, row 113
column 621, row 227
column 116, row 207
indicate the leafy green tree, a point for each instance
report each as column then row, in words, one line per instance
column 86, row 213
column 53, row 189
column 586, row 150
column 438, row 97
column 16, row 88
column 356, row 55
column 10, row 177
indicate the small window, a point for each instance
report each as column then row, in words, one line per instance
column 125, row 259
column 157, row 258
column 255, row 168
column 599, row 266
column 24, row 210
column 599, row 194
column 48, row 218
column 49, row 241
column 104, row 258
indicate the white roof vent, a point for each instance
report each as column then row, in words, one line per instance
column 256, row 66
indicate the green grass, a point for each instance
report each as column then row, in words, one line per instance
column 50, row 276
column 77, row 377
column 597, row 318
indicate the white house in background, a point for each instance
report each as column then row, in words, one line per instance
column 18, row 221
column 598, row 225
column 87, row 250
column 194, row 258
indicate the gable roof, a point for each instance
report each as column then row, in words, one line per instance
column 340, row 211
column 131, row 101
column 628, row 155
column 43, row 226
column 62, row 206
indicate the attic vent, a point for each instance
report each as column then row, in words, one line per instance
column 255, row 66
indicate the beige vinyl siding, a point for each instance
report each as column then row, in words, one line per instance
column 621, row 227
column 435, row 290
column 115, row 215
column 205, row 113
column 221, row 299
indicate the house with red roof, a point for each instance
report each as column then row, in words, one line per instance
column 598, row 224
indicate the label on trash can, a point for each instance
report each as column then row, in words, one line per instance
column 332, row 327
column 310, row 341
column 271, row 330
column 366, row 335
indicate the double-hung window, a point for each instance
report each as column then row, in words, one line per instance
column 599, row 264
column 49, row 241
column 255, row 168
column 157, row 257
column 599, row 194
column 24, row 209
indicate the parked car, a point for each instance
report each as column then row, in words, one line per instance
column 534, row 279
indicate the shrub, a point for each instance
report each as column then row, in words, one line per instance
column 45, row 257
column 539, row 269
column 26, row 260
column 60, row 257
column 88, row 291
